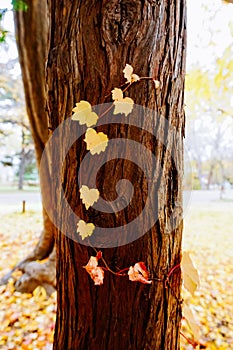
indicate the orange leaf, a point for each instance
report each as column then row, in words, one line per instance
column 96, row 272
column 139, row 273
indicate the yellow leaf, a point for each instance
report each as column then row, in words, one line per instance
column 157, row 83
column 190, row 274
column 128, row 74
column 83, row 114
column 123, row 106
column 89, row 196
column 84, row 229
column 128, row 70
column 96, row 142
column 82, row 106
column 134, row 77
column 39, row 292
column 117, row 94
column 189, row 317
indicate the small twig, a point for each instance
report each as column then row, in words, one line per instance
column 120, row 272
column 194, row 344
column 124, row 90
column 107, row 267
column 107, row 110
column 128, row 86
column 147, row 78
column 112, row 105
column 115, row 273
column 170, row 273
column 110, row 270
column 167, row 284
column 119, row 87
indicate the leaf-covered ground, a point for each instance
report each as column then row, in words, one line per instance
column 208, row 235
column 27, row 321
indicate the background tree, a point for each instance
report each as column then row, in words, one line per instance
column 14, row 120
column 209, row 120
column 31, row 37
column 3, row 32
column 89, row 45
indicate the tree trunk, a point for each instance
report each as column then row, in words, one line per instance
column 25, row 159
column 90, row 44
column 21, row 170
column 199, row 172
column 31, row 28
column 210, row 175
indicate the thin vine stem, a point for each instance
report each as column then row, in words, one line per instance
column 147, row 78
column 124, row 90
column 119, row 87
column 166, row 285
column 107, row 110
column 194, row 344
column 107, row 268
column 170, row 273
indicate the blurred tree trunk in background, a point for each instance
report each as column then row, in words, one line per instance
column 31, row 27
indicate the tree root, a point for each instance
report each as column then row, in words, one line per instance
column 34, row 272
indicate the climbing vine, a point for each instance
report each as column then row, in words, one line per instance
column 97, row 142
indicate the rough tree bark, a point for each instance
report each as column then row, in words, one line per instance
column 31, row 29
column 90, row 43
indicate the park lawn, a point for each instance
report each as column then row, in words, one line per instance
column 14, row 189
column 27, row 321
column 208, row 235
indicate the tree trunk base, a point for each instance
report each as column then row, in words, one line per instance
column 36, row 273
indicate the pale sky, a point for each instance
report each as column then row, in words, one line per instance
column 201, row 31
column 207, row 38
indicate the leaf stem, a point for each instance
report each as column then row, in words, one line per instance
column 107, row 110
column 172, row 270
column 110, row 270
column 147, row 78
column 194, row 345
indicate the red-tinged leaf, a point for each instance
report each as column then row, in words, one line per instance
column 96, row 272
column 99, row 255
column 139, row 273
